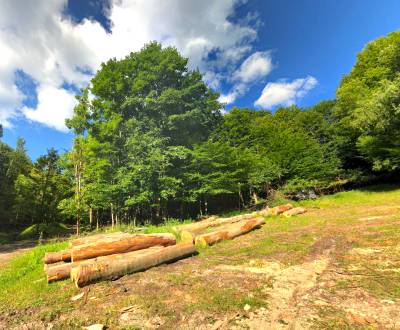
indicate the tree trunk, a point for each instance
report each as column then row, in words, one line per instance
column 120, row 245
column 63, row 271
column 128, row 263
column 90, row 217
column 112, row 215
column 229, row 232
column 97, row 220
column 53, row 257
column 255, row 197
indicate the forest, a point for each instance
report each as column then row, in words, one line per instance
column 152, row 142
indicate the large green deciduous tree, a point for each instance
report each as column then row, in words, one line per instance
column 368, row 105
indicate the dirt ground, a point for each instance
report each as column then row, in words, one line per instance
column 332, row 268
column 9, row 251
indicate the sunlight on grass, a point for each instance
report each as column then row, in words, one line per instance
column 23, row 282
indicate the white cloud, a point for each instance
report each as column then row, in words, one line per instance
column 37, row 38
column 54, row 105
column 285, row 93
column 257, row 66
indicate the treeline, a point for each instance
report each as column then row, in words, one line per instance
column 151, row 143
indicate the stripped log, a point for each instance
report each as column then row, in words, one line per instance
column 94, row 238
column 120, row 245
column 53, row 257
column 62, row 271
column 280, row 209
column 128, row 263
column 229, row 232
column 294, row 211
column 198, row 227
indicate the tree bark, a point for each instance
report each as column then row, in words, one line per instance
column 198, row 227
column 294, row 211
column 120, row 245
column 53, row 257
column 280, row 209
column 63, row 271
column 229, row 231
column 112, row 215
column 128, row 263
column 90, row 216
column 97, row 237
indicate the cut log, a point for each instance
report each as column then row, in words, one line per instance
column 198, row 227
column 53, row 257
column 61, row 271
column 280, row 209
column 294, row 211
column 128, row 263
column 94, row 238
column 187, row 237
column 120, row 245
column 229, row 232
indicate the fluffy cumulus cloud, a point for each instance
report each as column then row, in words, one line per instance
column 254, row 68
column 54, row 105
column 38, row 38
column 284, row 92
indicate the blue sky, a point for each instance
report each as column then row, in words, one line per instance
column 258, row 54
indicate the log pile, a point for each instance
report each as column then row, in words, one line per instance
column 106, row 256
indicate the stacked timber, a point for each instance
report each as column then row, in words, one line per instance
column 106, row 256
column 108, row 268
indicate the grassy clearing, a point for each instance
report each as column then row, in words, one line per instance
column 23, row 283
column 197, row 286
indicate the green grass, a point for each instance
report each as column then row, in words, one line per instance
column 284, row 240
column 372, row 196
column 23, row 283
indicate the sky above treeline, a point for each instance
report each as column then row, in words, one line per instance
column 260, row 54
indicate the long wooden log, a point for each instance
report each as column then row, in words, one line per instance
column 94, row 238
column 65, row 255
column 120, row 245
column 62, row 271
column 280, row 209
column 294, row 211
column 128, row 263
column 229, row 232
column 53, row 257
column 198, row 227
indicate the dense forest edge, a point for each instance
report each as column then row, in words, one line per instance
column 153, row 143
